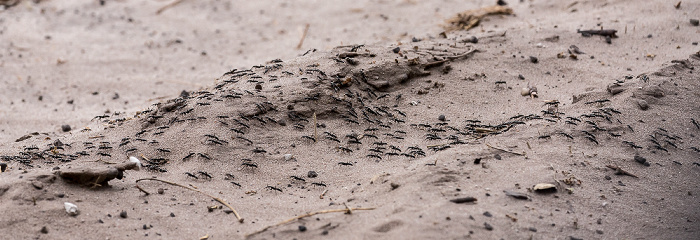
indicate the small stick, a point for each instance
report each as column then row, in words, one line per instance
column 303, row 216
column 449, row 58
column 172, row 4
column 315, row 131
column 348, row 208
column 436, row 145
column 306, row 30
column 142, row 190
column 619, row 171
column 519, row 154
column 323, row 193
column 196, row 190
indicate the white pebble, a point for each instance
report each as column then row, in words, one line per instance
column 71, row 209
column 288, row 156
column 137, row 161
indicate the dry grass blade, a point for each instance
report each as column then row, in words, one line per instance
column 172, row 4
column 520, row 154
column 193, row 189
column 346, row 210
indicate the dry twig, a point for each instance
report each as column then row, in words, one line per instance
column 519, row 154
column 193, row 189
column 346, row 210
column 172, row 4
column 303, row 36
column 468, row 19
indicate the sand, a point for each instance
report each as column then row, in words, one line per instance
column 397, row 120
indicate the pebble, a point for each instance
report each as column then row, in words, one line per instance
column 172, row 214
column 532, row 229
column 695, row 22
column 394, row 186
column 488, row 214
column 302, row 228
column 441, row 117
column 65, row 128
column 3, row 166
column 599, row 231
column 521, row 77
column 161, row 191
column 643, row 104
column 312, row 174
column 488, row 226
column 44, row 230
column 122, row 214
column 534, row 59
column 641, row 160
column 396, row 50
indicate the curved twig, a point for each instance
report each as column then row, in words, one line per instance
column 347, row 210
column 193, row 189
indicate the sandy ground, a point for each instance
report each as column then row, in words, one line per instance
column 365, row 118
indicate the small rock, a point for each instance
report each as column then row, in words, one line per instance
column 608, row 39
column 608, row 177
column 517, row 195
column 394, row 186
column 65, row 128
column 521, row 77
column 312, row 174
column 302, row 228
column 122, row 214
column 534, row 59
column 464, row 200
column 532, row 229
column 184, row 94
column 71, row 209
column 501, row 3
column 44, row 230
column 599, row 231
column 641, row 160
column 38, row 185
column 642, row 104
column 258, row 86
column 488, row 214
column 488, row 226
column 441, row 117
column 544, row 188
column 100, row 221
column 172, row 214
column 161, row 191
column 497, row 156
column 694, row 22
column 3, row 166
column 396, row 50
column 145, row 227
column 615, row 88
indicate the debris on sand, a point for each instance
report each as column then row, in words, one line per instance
column 71, row 208
column 97, row 177
column 469, row 19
